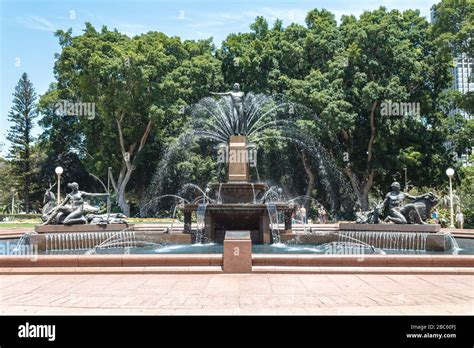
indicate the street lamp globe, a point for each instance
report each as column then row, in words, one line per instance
column 59, row 171
column 450, row 172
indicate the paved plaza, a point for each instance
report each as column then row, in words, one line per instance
column 246, row 294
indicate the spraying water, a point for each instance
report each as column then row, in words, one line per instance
column 266, row 117
column 273, row 216
column 200, row 215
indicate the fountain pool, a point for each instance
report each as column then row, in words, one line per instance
column 466, row 247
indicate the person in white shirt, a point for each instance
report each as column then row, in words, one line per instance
column 460, row 218
column 303, row 214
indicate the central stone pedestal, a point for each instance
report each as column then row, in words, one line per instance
column 239, row 203
column 237, row 252
column 238, row 159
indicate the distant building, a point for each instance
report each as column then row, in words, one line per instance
column 463, row 81
column 462, row 71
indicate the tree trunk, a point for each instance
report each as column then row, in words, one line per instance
column 364, row 182
column 120, row 186
column 26, row 182
column 311, row 177
column 26, row 195
column 124, row 206
column 121, row 192
column 361, row 187
column 363, row 198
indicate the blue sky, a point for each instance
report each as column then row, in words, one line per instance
column 27, row 27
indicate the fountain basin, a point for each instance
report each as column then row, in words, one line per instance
column 430, row 228
column 424, row 262
column 238, row 192
column 41, row 229
column 230, row 217
column 219, row 218
column 439, row 242
column 88, row 240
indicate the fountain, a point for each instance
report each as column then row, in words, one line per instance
column 237, row 121
column 235, row 207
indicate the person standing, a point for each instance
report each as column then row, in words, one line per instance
column 303, row 214
column 435, row 216
column 293, row 217
column 323, row 215
column 320, row 216
column 460, row 218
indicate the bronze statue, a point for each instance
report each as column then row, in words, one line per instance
column 412, row 213
column 74, row 209
column 237, row 98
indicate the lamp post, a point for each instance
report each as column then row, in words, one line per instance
column 450, row 173
column 109, row 173
column 59, row 171
column 406, row 181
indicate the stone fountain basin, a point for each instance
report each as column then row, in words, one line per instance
column 142, row 237
column 238, row 192
column 81, row 228
column 239, row 216
column 436, row 240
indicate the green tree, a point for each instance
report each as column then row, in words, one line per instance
column 22, row 115
column 7, row 185
column 466, row 194
column 140, row 87
column 61, row 143
column 453, row 25
column 344, row 73
column 390, row 57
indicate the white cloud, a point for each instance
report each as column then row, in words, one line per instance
column 289, row 15
column 36, row 23
column 131, row 29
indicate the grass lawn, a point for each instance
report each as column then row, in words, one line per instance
column 17, row 225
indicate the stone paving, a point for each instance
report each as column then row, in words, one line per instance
column 246, row 294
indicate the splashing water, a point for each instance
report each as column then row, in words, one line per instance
column 274, row 223
column 144, row 210
column 89, row 240
column 201, row 216
column 266, row 117
column 392, row 240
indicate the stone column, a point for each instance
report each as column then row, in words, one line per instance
column 237, row 252
column 264, row 228
column 238, row 159
column 209, row 228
